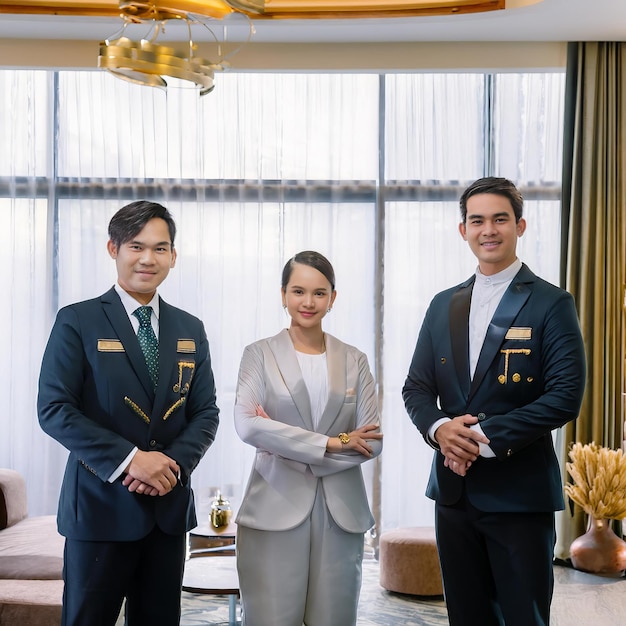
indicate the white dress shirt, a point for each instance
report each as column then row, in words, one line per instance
column 315, row 375
column 486, row 295
column 130, row 305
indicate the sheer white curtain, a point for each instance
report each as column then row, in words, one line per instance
column 265, row 166
column 441, row 134
column 27, row 269
column 252, row 136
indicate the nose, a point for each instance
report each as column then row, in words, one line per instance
column 489, row 227
column 308, row 300
column 146, row 257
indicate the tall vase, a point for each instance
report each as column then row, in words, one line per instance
column 599, row 550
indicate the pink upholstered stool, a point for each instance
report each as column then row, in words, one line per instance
column 409, row 562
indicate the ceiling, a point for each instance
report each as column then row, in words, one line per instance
column 548, row 20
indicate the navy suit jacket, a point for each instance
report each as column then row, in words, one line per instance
column 96, row 398
column 529, row 380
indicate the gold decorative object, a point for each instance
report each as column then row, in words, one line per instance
column 599, row 476
column 599, row 550
column 272, row 9
column 344, row 438
column 221, row 511
column 599, row 488
column 173, row 9
column 147, row 62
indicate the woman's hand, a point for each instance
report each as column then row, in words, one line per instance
column 358, row 440
column 260, row 412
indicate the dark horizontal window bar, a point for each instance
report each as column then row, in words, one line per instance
column 252, row 191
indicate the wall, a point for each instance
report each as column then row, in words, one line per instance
column 454, row 56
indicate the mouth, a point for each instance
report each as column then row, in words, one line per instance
column 489, row 245
column 307, row 313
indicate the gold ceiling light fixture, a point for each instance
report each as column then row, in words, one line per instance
column 148, row 62
column 272, row 9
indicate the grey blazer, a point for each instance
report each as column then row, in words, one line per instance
column 291, row 457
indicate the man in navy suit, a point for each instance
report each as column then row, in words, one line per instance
column 499, row 364
column 135, row 426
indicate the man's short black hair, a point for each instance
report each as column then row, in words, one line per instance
column 130, row 220
column 498, row 186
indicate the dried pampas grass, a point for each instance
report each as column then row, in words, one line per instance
column 599, row 476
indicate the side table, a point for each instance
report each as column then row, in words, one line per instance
column 214, row 575
column 205, row 539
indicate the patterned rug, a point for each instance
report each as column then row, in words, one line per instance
column 377, row 607
column 580, row 599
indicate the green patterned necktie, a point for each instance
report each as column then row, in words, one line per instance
column 148, row 341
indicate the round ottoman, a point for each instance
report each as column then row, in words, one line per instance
column 409, row 562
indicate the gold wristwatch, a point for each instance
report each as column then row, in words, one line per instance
column 344, row 438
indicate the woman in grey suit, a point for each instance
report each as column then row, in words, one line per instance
column 307, row 402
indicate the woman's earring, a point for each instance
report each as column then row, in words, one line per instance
column 329, row 309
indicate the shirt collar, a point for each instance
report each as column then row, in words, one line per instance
column 506, row 275
column 130, row 304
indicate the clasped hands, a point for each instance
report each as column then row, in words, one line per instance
column 459, row 443
column 151, row 473
column 358, row 437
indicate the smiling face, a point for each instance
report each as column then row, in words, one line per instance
column 307, row 296
column 491, row 231
column 144, row 262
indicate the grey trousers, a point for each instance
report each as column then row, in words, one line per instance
column 308, row 575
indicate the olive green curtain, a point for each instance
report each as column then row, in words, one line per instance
column 594, row 238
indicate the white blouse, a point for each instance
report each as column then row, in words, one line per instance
column 315, row 376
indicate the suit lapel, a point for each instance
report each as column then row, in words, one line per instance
column 459, row 333
column 287, row 362
column 337, row 382
column 116, row 314
column 512, row 301
column 167, row 352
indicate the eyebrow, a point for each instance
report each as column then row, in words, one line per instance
column 495, row 215
column 143, row 243
column 315, row 289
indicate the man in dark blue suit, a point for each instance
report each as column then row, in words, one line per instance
column 136, row 419
column 499, row 364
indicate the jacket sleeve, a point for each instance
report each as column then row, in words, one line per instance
column 273, row 436
column 420, row 392
column 366, row 413
column 297, row 446
column 63, row 377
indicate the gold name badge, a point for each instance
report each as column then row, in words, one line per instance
column 519, row 333
column 186, row 345
column 110, row 345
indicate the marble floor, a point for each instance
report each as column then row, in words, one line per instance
column 579, row 600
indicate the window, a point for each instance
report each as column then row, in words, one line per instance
column 365, row 168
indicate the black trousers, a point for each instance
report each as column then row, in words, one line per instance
column 496, row 567
column 99, row 575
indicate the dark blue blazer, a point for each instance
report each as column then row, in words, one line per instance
column 97, row 400
column 529, row 380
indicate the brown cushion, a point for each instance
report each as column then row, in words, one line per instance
column 30, row 602
column 31, row 567
column 409, row 562
column 13, row 503
column 32, row 549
